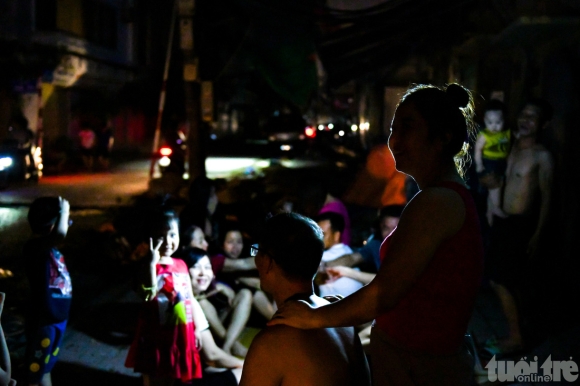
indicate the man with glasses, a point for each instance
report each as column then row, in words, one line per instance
column 287, row 259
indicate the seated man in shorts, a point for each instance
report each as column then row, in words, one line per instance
column 287, row 259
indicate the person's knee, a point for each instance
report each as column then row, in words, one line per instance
column 244, row 296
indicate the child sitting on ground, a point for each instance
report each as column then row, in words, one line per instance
column 491, row 150
column 218, row 301
column 50, row 284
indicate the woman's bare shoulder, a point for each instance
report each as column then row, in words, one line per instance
column 440, row 206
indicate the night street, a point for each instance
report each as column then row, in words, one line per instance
column 105, row 303
column 417, row 158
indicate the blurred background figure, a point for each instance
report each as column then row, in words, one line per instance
column 104, row 145
column 21, row 139
column 87, row 142
column 377, row 185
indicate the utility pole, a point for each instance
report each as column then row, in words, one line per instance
column 192, row 87
column 161, row 108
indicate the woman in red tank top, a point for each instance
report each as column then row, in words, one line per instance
column 432, row 264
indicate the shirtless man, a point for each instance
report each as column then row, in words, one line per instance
column 287, row 260
column 526, row 200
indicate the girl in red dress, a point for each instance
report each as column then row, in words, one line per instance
column 164, row 348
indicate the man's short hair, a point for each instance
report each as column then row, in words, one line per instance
column 295, row 243
column 336, row 220
column 546, row 109
column 43, row 214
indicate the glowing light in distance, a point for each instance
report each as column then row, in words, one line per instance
column 331, row 126
column 341, row 133
column 285, row 147
column 165, row 151
column 354, row 127
column 320, row 127
column 310, row 132
column 164, row 161
column 5, row 162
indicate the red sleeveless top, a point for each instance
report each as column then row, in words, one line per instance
column 433, row 316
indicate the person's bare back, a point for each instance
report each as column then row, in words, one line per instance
column 287, row 258
column 282, row 355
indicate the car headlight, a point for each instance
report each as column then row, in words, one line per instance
column 5, row 162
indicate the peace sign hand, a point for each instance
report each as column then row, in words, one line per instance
column 155, row 256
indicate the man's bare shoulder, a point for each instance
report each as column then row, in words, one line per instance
column 274, row 333
column 315, row 352
column 297, row 338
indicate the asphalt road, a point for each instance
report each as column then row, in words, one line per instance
column 88, row 190
column 92, row 352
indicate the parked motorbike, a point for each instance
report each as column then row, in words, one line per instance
column 171, row 156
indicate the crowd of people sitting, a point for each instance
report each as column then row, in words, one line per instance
column 204, row 276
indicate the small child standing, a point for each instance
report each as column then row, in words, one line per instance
column 50, row 284
column 491, row 150
column 164, row 349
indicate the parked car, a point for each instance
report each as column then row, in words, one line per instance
column 289, row 134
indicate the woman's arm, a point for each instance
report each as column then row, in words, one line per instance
column 227, row 291
column 252, row 282
column 433, row 215
column 244, row 264
column 348, row 260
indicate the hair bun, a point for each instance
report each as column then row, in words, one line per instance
column 458, row 95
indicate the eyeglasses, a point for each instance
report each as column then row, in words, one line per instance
column 254, row 250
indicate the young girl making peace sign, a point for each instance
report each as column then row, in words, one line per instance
column 164, row 348
column 172, row 327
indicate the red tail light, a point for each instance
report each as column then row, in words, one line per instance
column 165, row 151
column 310, row 132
